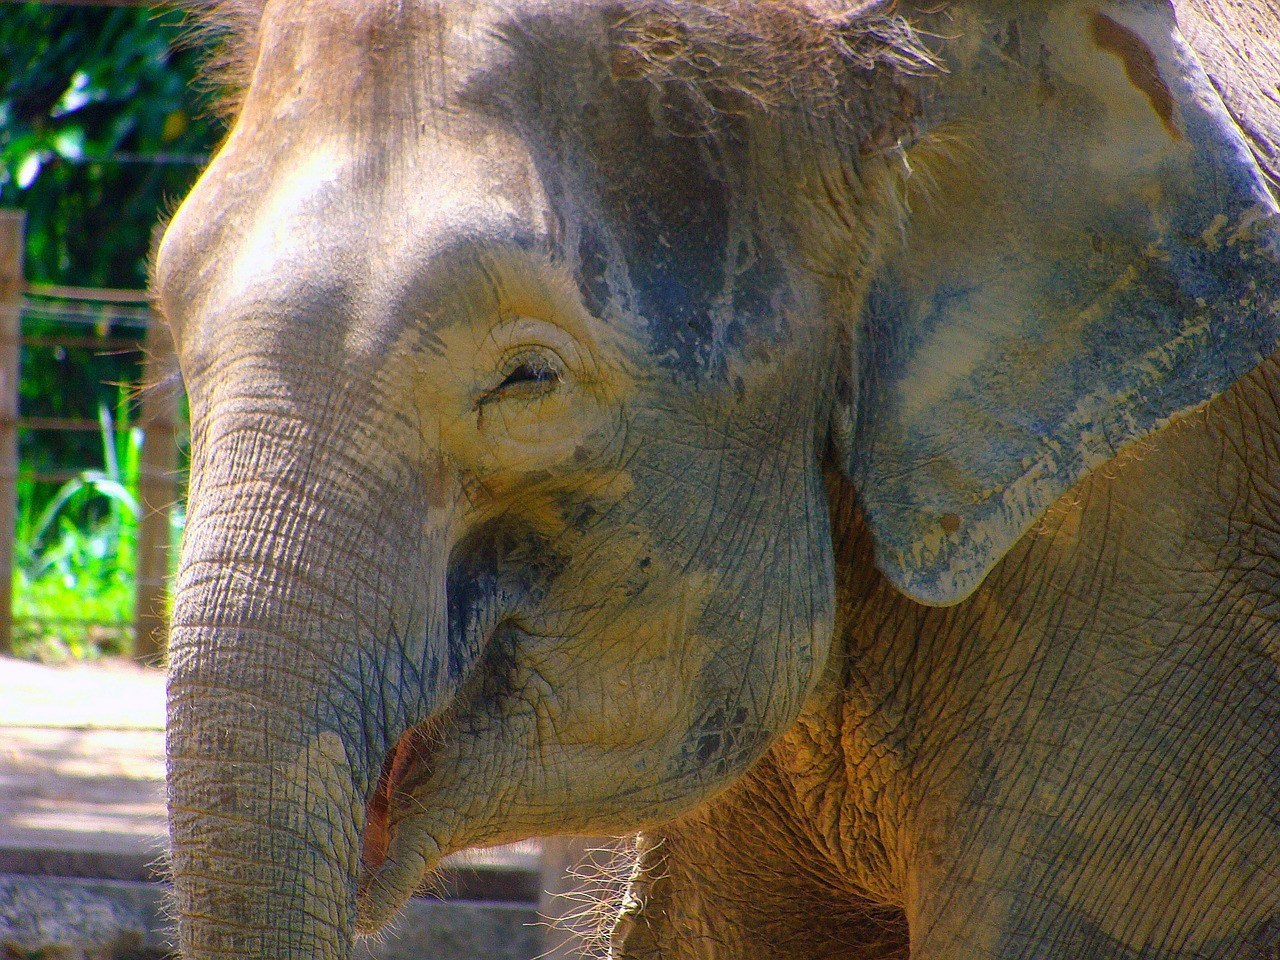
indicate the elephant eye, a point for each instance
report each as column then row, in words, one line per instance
column 528, row 375
column 533, row 370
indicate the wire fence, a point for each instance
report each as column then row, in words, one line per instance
column 102, row 320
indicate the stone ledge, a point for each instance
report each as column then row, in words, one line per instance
column 45, row 918
column 459, row 930
column 61, row 919
column 499, row 882
column 55, row 862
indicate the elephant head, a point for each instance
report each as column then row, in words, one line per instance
column 525, row 344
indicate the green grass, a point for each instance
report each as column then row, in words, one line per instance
column 74, row 555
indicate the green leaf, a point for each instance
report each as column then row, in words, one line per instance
column 69, row 143
column 29, row 168
column 76, row 95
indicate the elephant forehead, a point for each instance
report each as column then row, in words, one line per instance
column 344, row 245
column 379, row 88
column 389, row 60
column 381, row 147
column 355, row 56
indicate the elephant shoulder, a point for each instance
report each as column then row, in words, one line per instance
column 1238, row 42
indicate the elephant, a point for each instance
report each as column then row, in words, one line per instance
column 837, row 444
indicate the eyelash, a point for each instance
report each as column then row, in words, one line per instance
column 530, row 372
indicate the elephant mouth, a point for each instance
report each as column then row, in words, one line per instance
column 408, row 762
column 398, row 852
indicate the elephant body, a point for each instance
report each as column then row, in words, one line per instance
column 1119, row 826
column 837, row 442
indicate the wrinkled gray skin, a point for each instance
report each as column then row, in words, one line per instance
column 839, row 445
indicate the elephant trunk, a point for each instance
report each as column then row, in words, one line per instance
column 297, row 660
column 262, row 856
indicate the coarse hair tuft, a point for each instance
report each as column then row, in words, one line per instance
column 723, row 58
column 229, row 30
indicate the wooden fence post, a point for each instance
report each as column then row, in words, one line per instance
column 158, row 493
column 12, row 285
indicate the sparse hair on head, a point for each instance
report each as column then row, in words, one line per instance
column 726, row 56
column 229, row 29
column 732, row 57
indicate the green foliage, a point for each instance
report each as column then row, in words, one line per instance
column 68, row 383
column 73, row 590
column 100, row 131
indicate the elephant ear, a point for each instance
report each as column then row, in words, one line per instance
column 1090, row 250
